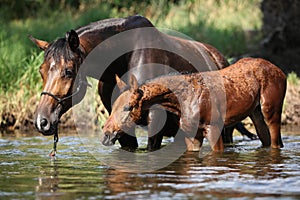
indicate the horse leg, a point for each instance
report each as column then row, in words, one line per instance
column 105, row 91
column 158, row 126
column 261, row 127
column 170, row 129
column 241, row 128
column 128, row 142
column 213, row 135
column 227, row 134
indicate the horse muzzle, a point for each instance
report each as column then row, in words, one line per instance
column 110, row 139
column 44, row 126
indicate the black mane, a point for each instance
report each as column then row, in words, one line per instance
column 115, row 24
column 59, row 48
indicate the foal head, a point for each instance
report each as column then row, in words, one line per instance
column 126, row 112
column 59, row 69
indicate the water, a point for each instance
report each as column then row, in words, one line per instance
column 244, row 171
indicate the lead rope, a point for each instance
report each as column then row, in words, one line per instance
column 53, row 152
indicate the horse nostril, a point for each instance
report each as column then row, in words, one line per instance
column 43, row 123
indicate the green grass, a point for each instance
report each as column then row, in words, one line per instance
column 220, row 23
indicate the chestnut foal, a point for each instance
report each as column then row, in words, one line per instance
column 252, row 87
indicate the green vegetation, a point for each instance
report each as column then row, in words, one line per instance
column 227, row 25
column 293, row 78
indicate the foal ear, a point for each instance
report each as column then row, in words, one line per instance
column 133, row 83
column 40, row 43
column 121, row 84
column 73, row 40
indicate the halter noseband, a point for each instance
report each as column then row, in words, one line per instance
column 61, row 100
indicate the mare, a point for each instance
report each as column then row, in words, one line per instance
column 252, row 87
column 65, row 57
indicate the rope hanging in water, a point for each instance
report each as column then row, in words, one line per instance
column 53, row 152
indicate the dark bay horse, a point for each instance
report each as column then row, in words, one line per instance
column 64, row 57
column 252, row 87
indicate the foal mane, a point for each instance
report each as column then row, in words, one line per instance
column 168, row 75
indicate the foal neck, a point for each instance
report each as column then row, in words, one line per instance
column 156, row 94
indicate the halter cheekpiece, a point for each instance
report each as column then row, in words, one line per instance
column 61, row 100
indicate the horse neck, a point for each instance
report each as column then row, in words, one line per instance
column 156, row 94
column 93, row 34
column 91, row 39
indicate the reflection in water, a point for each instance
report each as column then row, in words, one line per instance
column 243, row 171
column 48, row 181
column 231, row 174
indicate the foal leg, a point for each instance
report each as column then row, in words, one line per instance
column 273, row 120
column 213, row 135
column 261, row 126
column 274, row 123
column 194, row 143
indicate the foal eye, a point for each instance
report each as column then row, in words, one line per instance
column 68, row 73
column 128, row 108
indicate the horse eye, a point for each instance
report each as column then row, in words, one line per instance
column 68, row 73
column 128, row 108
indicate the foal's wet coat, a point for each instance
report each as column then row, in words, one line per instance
column 252, row 87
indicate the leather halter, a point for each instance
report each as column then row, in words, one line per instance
column 61, row 100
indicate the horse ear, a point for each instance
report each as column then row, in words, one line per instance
column 40, row 43
column 121, row 84
column 73, row 40
column 133, row 83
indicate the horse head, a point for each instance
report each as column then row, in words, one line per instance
column 62, row 59
column 126, row 111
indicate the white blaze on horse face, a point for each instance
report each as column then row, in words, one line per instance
column 38, row 119
column 53, row 76
column 38, row 124
column 52, row 64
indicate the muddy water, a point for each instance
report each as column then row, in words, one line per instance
column 244, row 171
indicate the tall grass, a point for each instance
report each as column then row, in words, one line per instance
column 220, row 23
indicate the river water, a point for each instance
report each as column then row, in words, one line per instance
column 243, row 171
